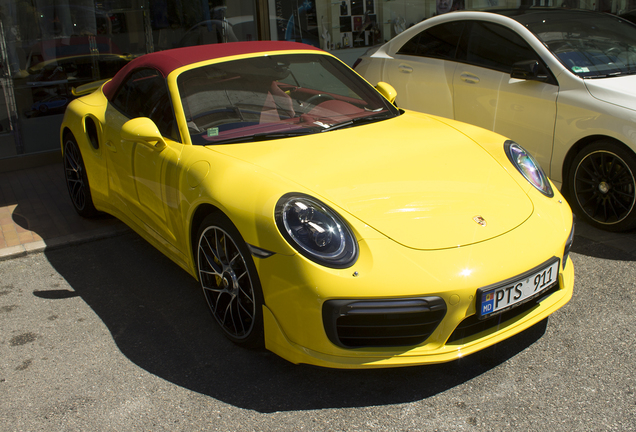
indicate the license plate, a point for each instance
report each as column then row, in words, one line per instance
column 494, row 300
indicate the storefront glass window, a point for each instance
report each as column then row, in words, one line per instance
column 51, row 46
column 48, row 47
column 185, row 23
column 337, row 25
column 346, row 24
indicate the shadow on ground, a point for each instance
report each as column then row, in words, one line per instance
column 595, row 249
column 39, row 202
column 159, row 320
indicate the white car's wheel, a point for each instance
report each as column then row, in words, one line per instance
column 602, row 186
column 230, row 282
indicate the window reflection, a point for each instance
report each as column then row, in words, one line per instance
column 51, row 46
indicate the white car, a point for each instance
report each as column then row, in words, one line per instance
column 560, row 82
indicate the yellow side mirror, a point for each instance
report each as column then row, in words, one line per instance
column 144, row 131
column 387, row 91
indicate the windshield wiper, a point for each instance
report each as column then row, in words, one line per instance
column 625, row 72
column 262, row 137
column 613, row 74
column 610, row 75
column 360, row 120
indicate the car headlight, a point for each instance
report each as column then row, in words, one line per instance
column 528, row 167
column 316, row 231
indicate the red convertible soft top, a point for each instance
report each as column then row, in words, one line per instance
column 169, row 60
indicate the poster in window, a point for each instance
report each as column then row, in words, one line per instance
column 344, row 8
column 369, row 7
column 357, row 23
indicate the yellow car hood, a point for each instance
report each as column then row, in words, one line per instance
column 414, row 179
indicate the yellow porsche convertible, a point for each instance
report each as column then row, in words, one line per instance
column 323, row 222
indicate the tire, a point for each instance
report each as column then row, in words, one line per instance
column 77, row 180
column 602, row 186
column 229, row 281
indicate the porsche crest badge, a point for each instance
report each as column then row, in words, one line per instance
column 480, row 220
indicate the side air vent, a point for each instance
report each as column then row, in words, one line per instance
column 91, row 132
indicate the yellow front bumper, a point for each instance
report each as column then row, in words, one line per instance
column 277, row 342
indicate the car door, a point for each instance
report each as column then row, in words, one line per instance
column 422, row 70
column 142, row 176
column 485, row 94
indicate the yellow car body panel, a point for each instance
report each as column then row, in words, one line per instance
column 435, row 219
column 453, row 274
column 410, row 245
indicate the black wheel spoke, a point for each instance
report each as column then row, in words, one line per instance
column 597, row 208
column 591, row 174
column 586, row 191
column 618, row 172
column 601, row 166
column 589, row 182
column 628, row 196
column 604, row 205
column 588, row 199
column 610, row 204
column 625, row 181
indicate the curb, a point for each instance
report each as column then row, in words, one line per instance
column 62, row 242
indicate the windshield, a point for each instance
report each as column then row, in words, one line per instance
column 591, row 45
column 274, row 97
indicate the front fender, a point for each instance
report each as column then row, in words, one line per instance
column 246, row 194
column 579, row 117
column 85, row 123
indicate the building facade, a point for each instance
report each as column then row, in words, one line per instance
column 49, row 47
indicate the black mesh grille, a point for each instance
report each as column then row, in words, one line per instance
column 472, row 325
column 382, row 323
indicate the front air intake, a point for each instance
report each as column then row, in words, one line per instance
column 382, row 323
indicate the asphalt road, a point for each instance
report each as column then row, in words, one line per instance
column 111, row 336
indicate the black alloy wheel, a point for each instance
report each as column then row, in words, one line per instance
column 602, row 187
column 229, row 281
column 76, row 179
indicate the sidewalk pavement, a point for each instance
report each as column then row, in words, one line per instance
column 36, row 214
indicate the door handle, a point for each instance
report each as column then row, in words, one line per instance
column 469, row 78
column 110, row 146
column 405, row 68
